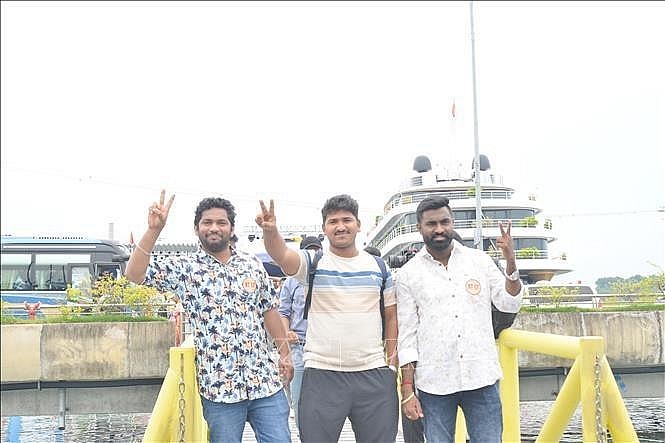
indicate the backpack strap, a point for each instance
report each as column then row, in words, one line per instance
column 312, row 264
column 382, row 305
column 310, row 284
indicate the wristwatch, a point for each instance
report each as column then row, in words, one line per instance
column 514, row 276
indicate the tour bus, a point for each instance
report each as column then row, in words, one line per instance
column 39, row 269
column 565, row 294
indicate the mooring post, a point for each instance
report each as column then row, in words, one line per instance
column 62, row 408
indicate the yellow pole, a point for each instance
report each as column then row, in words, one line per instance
column 541, row 343
column 509, row 390
column 591, row 348
column 460, row 427
column 563, row 408
column 619, row 423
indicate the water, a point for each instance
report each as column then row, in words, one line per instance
column 648, row 416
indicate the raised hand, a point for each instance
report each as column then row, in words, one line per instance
column 505, row 241
column 266, row 218
column 158, row 212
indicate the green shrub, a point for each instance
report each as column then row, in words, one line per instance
column 109, row 292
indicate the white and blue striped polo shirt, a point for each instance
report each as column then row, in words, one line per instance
column 344, row 320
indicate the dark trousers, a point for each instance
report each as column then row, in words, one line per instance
column 367, row 398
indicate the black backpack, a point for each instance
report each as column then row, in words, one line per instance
column 501, row 320
column 310, row 283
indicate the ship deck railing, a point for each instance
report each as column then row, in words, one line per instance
column 590, row 383
column 407, row 198
column 468, row 224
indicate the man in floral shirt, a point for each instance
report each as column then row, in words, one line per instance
column 231, row 304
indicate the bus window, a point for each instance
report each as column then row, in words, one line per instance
column 81, row 277
column 50, row 278
column 14, row 272
column 108, row 269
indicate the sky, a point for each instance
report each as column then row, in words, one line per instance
column 104, row 104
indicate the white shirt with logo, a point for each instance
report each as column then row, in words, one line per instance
column 445, row 319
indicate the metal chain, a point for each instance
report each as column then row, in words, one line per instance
column 181, row 401
column 601, row 434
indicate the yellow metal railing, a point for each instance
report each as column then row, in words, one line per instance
column 590, row 383
column 178, row 415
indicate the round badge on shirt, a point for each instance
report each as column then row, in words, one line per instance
column 249, row 284
column 473, row 286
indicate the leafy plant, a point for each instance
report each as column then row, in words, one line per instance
column 110, row 292
column 70, row 311
column 91, row 318
column 530, row 252
column 528, row 221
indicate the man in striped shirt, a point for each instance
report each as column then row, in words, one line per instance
column 347, row 373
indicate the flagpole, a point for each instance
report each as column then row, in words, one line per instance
column 478, row 236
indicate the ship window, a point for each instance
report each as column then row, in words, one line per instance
column 517, row 214
column 410, row 219
column 500, row 214
column 464, row 215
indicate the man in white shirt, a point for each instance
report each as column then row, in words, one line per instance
column 446, row 341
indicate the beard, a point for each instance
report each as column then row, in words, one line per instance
column 214, row 246
column 438, row 245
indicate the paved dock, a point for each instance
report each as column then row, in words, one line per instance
column 346, row 436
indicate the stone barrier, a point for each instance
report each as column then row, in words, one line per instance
column 108, row 351
column 631, row 338
column 85, row 351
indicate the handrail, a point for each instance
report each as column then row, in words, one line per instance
column 590, row 383
column 462, row 224
column 416, row 197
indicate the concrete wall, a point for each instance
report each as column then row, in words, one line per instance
column 106, row 351
column 631, row 338
column 85, row 351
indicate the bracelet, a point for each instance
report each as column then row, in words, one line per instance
column 406, row 400
column 147, row 254
column 407, row 382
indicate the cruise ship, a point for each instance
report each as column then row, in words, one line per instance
column 396, row 236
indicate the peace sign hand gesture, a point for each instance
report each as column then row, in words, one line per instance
column 159, row 212
column 266, row 218
column 505, row 242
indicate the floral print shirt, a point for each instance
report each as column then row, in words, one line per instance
column 225, row 303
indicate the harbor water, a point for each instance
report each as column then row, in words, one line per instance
column 647, row 415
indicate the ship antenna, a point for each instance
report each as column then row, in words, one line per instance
column 478, row 236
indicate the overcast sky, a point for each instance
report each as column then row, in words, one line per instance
column 105, row 103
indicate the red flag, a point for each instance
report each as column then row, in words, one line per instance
column 453, row 109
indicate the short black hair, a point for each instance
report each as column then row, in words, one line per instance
column 342, row 202
column 215, row 202
column 431, row 203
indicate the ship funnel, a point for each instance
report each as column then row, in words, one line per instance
column 422, row 164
